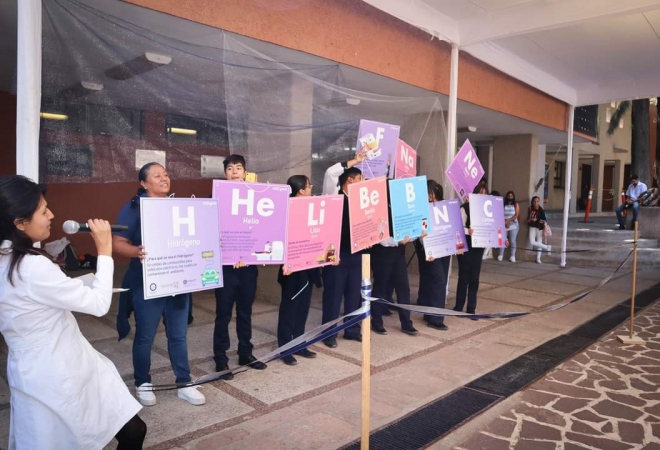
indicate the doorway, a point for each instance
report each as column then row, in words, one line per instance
column 585, row 186
column 608, row 193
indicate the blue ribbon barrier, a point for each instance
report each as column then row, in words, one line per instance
column 329, row 329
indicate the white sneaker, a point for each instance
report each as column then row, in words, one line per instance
column 538, row 261
column 549, row 249
column 512, row 259
column 145, row 396
column 191, row 395
column 500, row 257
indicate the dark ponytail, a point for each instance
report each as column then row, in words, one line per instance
column 19, row 200
column 297, row 183
column 142, row 176
column 435, row 188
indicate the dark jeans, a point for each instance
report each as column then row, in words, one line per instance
column 294, row 307
column 344, row 281
column 619, row 213
column 389, row 267
column 432, row 284
column 469, row 269
column 148, row 313
column 239, row 287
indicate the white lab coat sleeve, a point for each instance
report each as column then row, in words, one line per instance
column 331, row 178
column 48, row 285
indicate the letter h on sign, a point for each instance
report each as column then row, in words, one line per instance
column 177, row 221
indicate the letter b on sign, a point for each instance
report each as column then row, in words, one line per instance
column 410, row 192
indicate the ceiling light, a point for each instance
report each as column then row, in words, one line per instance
column 80, row 89
column 468, row 129
column 186, row 131
column 137, row 66
column 53, row 116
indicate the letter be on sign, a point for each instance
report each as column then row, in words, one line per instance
column 367, row 199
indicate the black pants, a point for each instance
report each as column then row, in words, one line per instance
column 389, row 267
column 132, row 434
column 469, row 269
column 343, row 280
column 294, row 307
column 239, row 287
column 432, row 284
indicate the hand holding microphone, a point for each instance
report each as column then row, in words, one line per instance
column 102, row 235
column 73, row 227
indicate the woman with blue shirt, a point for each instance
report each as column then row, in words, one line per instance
column 155, row 182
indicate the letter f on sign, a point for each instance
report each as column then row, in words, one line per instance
column 177, row 221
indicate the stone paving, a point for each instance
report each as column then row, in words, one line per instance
column 607, row 397
column 316, row 404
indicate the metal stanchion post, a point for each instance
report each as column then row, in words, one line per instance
column 632, row 339
column 366, row 362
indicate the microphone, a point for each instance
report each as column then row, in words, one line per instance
column 73, row 227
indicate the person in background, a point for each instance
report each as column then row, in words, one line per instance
column 154, row 182
column 433, row 273
column 296, row 289
column 536, row 220
column 635, row 190
column 511, row 216
column 331, row 177
column 64, row 394
column 240, row 288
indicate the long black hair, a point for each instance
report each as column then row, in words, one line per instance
column 510, row 202
column 297, row 183
column 19, row 200
column 435, row 188
column 142, row 176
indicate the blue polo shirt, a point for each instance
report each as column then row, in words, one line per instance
column 130, row 216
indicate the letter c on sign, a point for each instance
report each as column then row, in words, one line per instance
column 488, row 208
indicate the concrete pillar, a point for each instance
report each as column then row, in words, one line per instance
column 515, row 164
column 597, row 171
column 540, row 171
column 575, row 186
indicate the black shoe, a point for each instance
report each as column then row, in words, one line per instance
column 289, row 360
column 457, row 310
column 251, row 361
column 330, row 342
column 221, row 368
column 306, row 353
column 440, row 326
column 378, row 329
column 387, row 312
column 353, row 337
column 410, row 330
column 622, row 227
column 473, row 318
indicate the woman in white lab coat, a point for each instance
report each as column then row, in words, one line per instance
column 64, row 394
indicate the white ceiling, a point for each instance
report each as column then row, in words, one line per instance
column 582, row 52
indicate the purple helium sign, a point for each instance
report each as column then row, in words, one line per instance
column 253, row 219
column 448, row 236
column 378, row 141
column 182, row 241
column 487, row 221
column 465, row 171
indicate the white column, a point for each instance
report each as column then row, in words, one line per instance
column 567, row 189
column 451, row 118
column 28, row 88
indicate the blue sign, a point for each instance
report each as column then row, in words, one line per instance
column 410, row 208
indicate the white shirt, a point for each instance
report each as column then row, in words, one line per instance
column 331, row 178
column 64, row 394
column 634, row 192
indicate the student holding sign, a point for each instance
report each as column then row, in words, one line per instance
column 240, row 288
column 343, row 280
column 296, row 289
column 433, row 273
column 469, row 263
column 155, row 182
